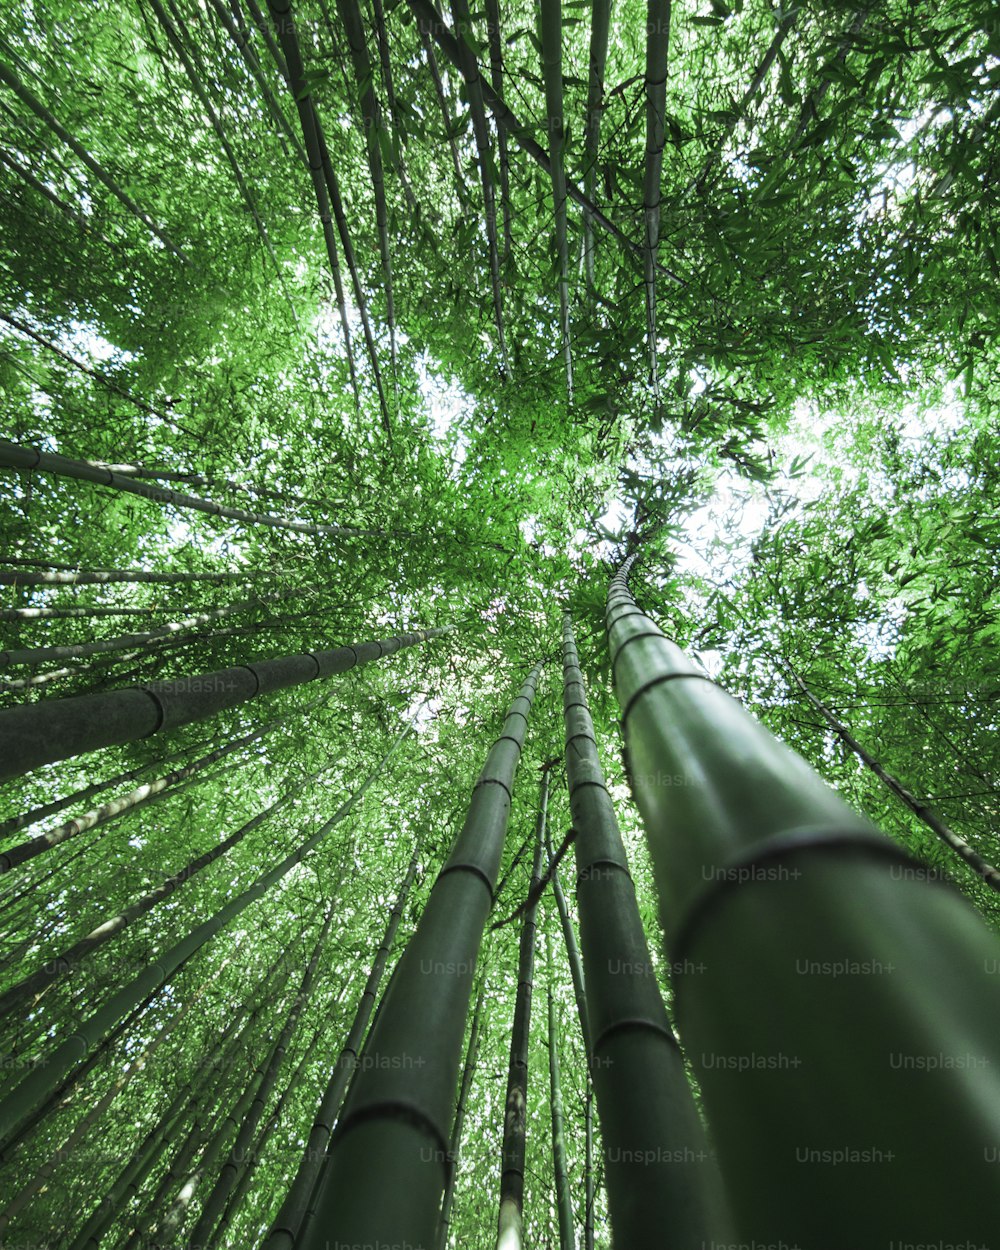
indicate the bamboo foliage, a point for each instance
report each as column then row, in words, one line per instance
column 399, row 1106
column 34, row 1088
column 70, row 959
column 759, row 865
column 660, row 1176
column 933, row 822
column 10, row 79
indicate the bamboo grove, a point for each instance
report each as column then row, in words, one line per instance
column 499, row 594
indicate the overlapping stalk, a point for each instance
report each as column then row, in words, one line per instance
column 36, row 1087
column 661, row 1179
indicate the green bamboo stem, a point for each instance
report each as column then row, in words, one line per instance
column 550, row 27
column 455, row 1140
column 13, row 456
column 399, row 1107
column 600, row 27
column 657, row 51
column 510, row 1230
column 56, row 729
column 477, row 110
column 564, row 1201
column 762, row 869
column 121, row 642
column 233, row 1168
column 661, row 1179
column 290, row 1219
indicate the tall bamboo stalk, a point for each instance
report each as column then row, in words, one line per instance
column 550, row 27
column 600, row 27
column 399, row 1106
column 564, row 1201
column 764, row 872
column 657, row 51
column 13, row 456
column 510, row 1232
column 235, row 1163
column 56, row 729
column 660, row 1176
column 455, row 1140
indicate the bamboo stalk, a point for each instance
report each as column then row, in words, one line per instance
column 759, row 865
column 399, row 1107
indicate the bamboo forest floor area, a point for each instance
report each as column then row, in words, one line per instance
column 499, row 616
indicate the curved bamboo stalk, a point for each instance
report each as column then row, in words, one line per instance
column 22, row 1101
column 399, row 1108
column 55, row 729
column 760, row 865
